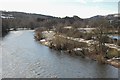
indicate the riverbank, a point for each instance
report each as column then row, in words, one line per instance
column 72, row 46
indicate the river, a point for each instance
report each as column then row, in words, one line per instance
column 23, row 57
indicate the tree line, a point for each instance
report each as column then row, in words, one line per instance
column 32, row 21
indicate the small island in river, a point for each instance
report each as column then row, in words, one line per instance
column 95, row 49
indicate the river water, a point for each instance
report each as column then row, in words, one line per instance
column 23, row 57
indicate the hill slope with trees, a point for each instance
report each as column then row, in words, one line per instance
column 31, row 20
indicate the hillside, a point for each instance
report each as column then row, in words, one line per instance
column 32, row 21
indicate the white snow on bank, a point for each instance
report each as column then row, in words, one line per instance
column 77, row 49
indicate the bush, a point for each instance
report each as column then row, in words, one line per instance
column 100, row 59
column 88, row 36
column 66, row 44
column 118, row 43
column 38, row 36
column 113, row 53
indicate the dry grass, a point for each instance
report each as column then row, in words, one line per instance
column 113, row 53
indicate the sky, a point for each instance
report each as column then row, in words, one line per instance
column 62, row 8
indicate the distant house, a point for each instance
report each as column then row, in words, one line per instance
column 116, row 37
column 116, row 15
column 6, row 16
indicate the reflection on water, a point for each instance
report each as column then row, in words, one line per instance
column 23, row 57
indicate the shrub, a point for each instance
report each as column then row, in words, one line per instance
column 66, row 44
column 38, row 36
column 113, row 53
